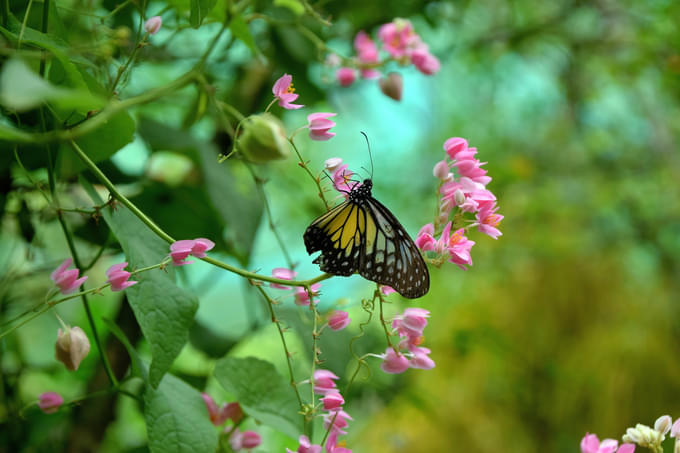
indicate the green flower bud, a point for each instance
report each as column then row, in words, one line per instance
column 263, row 139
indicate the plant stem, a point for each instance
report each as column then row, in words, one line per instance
column 316, row 180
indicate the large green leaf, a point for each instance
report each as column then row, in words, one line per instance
column 177, row 420
column 262, row 392
column 199, row 10
column 164, row 311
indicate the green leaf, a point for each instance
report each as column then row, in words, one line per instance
column 239, row 28
column 199, row 10
column 177, row 420
column 138, row 367
column 294, row 5
column 262, row 392
column 164, row 311
column 22, row 89
column 99, row 144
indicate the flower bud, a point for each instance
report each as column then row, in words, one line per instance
column 338, row 320
column 153, row 24
column 441, row 170
column 663, row 424
column 394, row 363
column 332, row 164
column 263, row 138
column 332, row 401
column 71, row 347
column 345, row 76
column 392, row 85
column 250, row 439
column 49, row 402
column 675, row 430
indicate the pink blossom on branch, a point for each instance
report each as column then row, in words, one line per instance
column 591, row 444
column 305, row 446
column 153, row 24
column 367, row 53
column 332, row 400
column 424, row 61
column 324, row 382
column 302, row 295
column 49, row 402
column 119, row 278
column 283, row 91
column 488, row 221
column 319, row 125
column 284, row 274
column 345, row 76
column 180, row 250
column 67, row 280
column 398, row 38
column 393, row 362
column 338, row 320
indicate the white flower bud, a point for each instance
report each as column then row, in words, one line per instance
column 663, row 424
column 71, row 347
column 459, row 196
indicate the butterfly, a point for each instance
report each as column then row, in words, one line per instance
column 362, row 235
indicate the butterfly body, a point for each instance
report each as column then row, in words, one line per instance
column 362, row 235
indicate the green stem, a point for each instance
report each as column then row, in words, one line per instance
column 45, row 19
column 317, row 181
column 166, row 237
column 23, row 23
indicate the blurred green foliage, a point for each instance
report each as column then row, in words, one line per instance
column 566, row 324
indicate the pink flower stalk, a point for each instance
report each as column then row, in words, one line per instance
column 319, row 125
column 398, row 38
column 302, row 296
column 283, row 90
column 412, row 322
column 284, row 274
column 71, row 347
column 345, row 76
column 49, row 402
column 367, row 53
column 67, row 280
column 339, row 320
column 332, row 400
column 324, row 382
column 118, row 277
column 488, row 221
column 305, row 446
column 332, row 164
column 153, row 24
column 424, row 61
column 394, row 363
column 180, row 250
column 591, row 444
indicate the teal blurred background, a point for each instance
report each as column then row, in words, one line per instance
column 566, row 324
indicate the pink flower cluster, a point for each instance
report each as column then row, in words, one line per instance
column 180, row 250
column 67, row 279
column 402, row 43
column 409, row 325
column 335, row 419
column 591, row 444
column 466, row 191
column 300, row 293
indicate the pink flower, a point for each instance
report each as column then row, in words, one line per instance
column 425, row 62
column 332, row 400
column 118, row 277
column 425, row 240
column 392, row 85
column 345, row 76
column 305, row 446
column 67, row 280
column 387, row 290
column 488, row 221
column 71, row 347
column 591, row 444
column 459, row 248
column 217, row 415
column 454, row 145
column 412, row 322
column 340, row 421
column 398, row 38
column 180, row 250
column 338, row 320
column 342, row 177
column 302, row 296
column 421, row 359
column 324, row 382
column 49, row 402
column 284, row 274
column 332, row 164
column 153, row 24
column 319, row 125
column 367, row 53
column 244, row 440
column 283, row 90
column 394, row 363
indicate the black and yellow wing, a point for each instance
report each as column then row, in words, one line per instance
column 361, row 235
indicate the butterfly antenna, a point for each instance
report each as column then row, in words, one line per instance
column 370, row 155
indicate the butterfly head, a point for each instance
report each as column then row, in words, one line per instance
column 362, row 191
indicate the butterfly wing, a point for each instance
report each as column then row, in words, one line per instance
column 388, row 254
column 339, row 238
